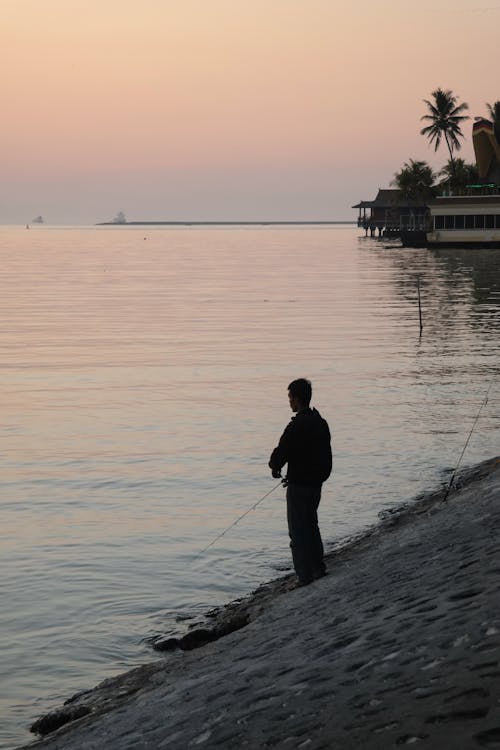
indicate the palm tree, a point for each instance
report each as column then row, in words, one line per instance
column 445, row 116
column 458, row 174
column 415, row 181
column 494, row 113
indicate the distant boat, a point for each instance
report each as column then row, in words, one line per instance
column 37, row 220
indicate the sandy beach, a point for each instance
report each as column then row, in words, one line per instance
column 398, row 645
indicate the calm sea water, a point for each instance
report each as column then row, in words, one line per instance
column 143, row 386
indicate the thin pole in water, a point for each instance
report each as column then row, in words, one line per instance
column 419, row 305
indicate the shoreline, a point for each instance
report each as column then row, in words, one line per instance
column 380, row 652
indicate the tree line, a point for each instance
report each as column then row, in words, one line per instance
column 416, row 180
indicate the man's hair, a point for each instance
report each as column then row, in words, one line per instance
column 302, row 389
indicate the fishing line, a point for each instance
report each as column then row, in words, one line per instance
column 239, row 519
column 483, row 403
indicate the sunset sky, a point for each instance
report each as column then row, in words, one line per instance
column 227, row 109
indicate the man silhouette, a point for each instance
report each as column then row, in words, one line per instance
column 305, row 446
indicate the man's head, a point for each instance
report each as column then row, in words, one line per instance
column 299, row 394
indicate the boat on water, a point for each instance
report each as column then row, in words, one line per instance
column 470, row 220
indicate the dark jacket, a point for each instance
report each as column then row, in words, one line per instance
column 306, row 447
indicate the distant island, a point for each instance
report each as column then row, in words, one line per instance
column 218, row 223
column 121, row 220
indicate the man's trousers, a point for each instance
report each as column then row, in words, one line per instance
column 305, row 538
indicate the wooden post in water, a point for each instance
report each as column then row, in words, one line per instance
column 419, row 305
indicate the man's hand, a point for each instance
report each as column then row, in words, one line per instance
column 276, row 473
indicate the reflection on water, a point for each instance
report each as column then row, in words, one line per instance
column 143, row 387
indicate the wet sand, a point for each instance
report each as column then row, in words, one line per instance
column 399, row 645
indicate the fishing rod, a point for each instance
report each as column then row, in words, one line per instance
column 282, row 481
column 483, row 403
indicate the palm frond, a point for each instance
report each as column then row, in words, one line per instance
column 445, row 116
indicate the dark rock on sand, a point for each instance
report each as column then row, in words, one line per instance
column 52, row 721
column 201, row 636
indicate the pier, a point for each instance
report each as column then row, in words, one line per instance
column 382, row 217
